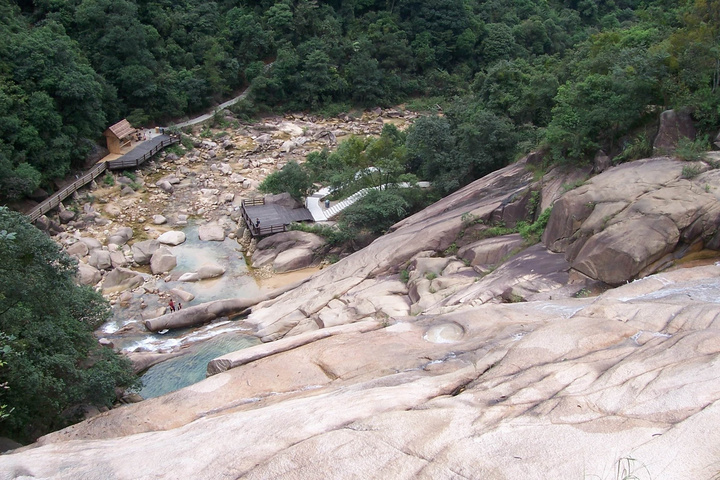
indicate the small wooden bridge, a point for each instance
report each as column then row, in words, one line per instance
column 133, row 159
column 265, row 219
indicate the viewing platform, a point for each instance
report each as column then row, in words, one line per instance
column 267, row 218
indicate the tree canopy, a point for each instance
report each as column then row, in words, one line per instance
column 53, row 363
column 575, row 75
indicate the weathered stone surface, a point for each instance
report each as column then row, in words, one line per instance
column 159, row 220
column 143, row 251
column 491, row 251
column 100, row 259
column 87, row 274
column 165, row 186
column 121, row 236
column 189, row 277
column 601, row 162
column 172, row 238
column 211, row 233
column 117, row 258
column 270, row 247
column 78, row 249
column 91, row 243
column 621, row 222
column 209, row 270
column 182, row 294
column 674, row 125
column 66, row 216
column 122, row 279
column 563, row 388
column 162, row 261
column 293, row 259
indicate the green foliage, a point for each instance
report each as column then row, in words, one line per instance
column 404, row 275
column 531, row 232
column 108, row 179
column 638, row 147
column 292, row 178
column 53, row 361
column 692, row 150
column 691, row 171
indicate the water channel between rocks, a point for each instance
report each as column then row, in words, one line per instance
column 127, row 332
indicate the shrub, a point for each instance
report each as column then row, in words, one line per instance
column 109, row 180
column 692, row 150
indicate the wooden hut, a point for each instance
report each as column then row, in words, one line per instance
column 119, row 136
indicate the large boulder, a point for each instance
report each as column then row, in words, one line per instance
column 122, row 279
column 143, row 251
column 211, row 232
column 270, row 247
column 77, row 249
column 634, row 219
column 293, row 259
column 210, row 270
column 172, row 238
column 491, row 251
column 162, row 261
column 674, row 125
column 100, row 259
column 91, row 243
column 88, row 275
column 121, row 236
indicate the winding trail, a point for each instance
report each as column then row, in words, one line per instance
column 222, row 106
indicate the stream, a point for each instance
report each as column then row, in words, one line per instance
column 127, row 332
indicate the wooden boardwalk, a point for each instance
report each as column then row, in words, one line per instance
column 273, row 218
column 133, row 159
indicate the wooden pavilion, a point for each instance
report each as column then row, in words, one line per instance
column 119, row 136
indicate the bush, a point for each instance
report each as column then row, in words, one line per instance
column 109, row 180
column 692, row 150
column 532, row 232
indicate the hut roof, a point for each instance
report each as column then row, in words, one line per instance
column 121, row 129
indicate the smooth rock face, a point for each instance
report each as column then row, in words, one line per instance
column 122, row 279
column 78, row 249
column 143, row 251
column 620, row 223
column 211, row 232
column 491, row 250
column 87, row 274
column 100, row 259
column 270, row 248
column 172, row 238
column 210, row 271
column 674, row 125
column 162, row 261
column 551, row 389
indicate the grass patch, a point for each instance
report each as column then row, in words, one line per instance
column 427, row 104
column 691, row 171
column 692, row 150
column 109, row 180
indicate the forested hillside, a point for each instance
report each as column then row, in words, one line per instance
column 573, row 75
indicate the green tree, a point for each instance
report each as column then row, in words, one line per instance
column 292, row 178
column 54, row 362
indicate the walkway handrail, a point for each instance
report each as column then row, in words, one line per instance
column 55, row 199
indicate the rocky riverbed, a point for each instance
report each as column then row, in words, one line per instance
column 441, row 352
column 173, row 230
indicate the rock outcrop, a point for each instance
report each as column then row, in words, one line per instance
column 560, row 389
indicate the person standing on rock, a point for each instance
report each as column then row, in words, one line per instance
column 171, row 304
column 179, row 306
column 257, row 223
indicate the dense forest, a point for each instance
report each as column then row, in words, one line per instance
column 572, row 75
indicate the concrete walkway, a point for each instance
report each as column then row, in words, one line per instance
column 314, row 202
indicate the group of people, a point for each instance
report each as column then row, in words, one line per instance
column 171, row 304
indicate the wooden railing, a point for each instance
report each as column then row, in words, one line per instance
column 54, row 200
column 121, row 163
column 262, row 230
